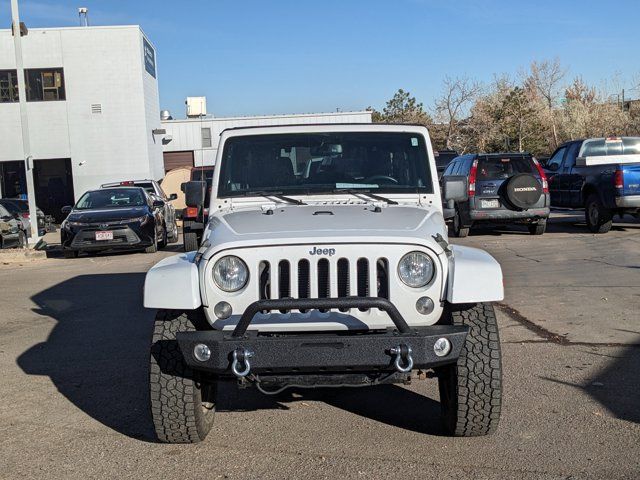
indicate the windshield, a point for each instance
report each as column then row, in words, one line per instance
column 325, row 162
column 112, row 198
column 600, row 147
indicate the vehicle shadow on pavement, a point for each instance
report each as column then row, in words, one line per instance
column 379, row 403
column 97, row 353
column 615, row 387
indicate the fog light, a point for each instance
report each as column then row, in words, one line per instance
column 442, row 347
column 222, row 310
column 424, row 305
column 202, row 352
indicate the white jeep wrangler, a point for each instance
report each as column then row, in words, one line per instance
column 325, row 262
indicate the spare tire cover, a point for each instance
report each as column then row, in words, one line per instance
column 522, row 191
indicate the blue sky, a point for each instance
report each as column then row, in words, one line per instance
column 284, row 56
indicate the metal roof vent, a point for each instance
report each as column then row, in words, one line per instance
column 96, row 108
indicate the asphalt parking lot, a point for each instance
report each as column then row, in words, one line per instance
column 74, row 343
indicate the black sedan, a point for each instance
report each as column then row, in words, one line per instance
column 113, row 219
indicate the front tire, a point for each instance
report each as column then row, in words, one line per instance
column 471, row 389
column 599, row 218
column 182, row 405
column 153, row 248
column 165, row 239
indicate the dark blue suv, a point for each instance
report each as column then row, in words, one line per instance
column 501, row 188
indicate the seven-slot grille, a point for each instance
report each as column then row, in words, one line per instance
column 324, row 278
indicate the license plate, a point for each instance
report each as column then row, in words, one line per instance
column 104, row 235
column 493, row 203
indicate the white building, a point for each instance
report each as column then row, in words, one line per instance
column 194, row 141
column 92, row 103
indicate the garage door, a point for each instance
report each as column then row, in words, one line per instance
column 177, row 159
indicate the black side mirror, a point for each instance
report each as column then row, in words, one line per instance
column 194, row 193
column 173, row 196
column 553, row 167
column 66, row 209
column 454, row 188
column 157, row 204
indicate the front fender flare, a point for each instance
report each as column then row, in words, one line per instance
column 173, row 284
column 474, row 276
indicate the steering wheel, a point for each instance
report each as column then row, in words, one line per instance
column 380, row 177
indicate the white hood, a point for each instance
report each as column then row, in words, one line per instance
column 316, row 224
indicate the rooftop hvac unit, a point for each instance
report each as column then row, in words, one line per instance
column 196, row 106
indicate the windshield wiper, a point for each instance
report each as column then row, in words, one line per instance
column 278, row 195
column 366, row 193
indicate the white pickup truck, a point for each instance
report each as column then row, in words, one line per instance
column 325, row 262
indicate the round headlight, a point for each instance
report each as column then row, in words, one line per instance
column 416, row 269
column 230, row 273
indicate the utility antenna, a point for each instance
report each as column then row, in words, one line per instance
column 83, row 15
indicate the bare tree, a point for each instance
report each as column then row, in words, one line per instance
column 545, row 79
column 454, row 104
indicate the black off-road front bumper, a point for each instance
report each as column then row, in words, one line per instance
column 241, row 352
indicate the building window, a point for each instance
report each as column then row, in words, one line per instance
column 8, row 86
column 206, row 138
column 44, row 84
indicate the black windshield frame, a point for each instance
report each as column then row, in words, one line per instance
column 345, row 150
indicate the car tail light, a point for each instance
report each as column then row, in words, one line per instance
column 472, row 178
column 25, row 215
column 543, row 176
column 618, row 179
column 129, row 182
column 191, row 212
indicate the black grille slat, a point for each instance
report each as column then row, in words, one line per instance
column 363, row 279
column 343, row 279
column 323, row 278
column 284, row 279
column 303, row 279
column 382, row 277
column 265, row 280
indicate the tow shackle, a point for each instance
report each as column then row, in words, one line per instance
column 240, row 366
column 403, row 359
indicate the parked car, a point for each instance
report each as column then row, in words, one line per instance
column 195, row 218
column 11, row 232
column 337, row 275
column 20, row 209
column 601, row 175
column 154, row 189
column 443, row 158
column 114, row 218
column 501, row 188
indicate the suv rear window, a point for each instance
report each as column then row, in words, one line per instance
column 495, row 168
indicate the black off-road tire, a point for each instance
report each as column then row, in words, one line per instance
column 182, row 404
column 471, row 389
column 459, row 230
column 538, row 228
column 191, row 241
column 599, row 218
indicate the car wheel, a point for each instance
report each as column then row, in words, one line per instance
column 71, row 254
column 182, row 404
column 538, row 228
column 459, row 230
column 163, row 243
column 22, row 239
column 599, row 218
column 153, row 248
column 471, row 389
column 191, row 241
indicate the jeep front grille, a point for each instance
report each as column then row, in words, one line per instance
column 364, row 277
